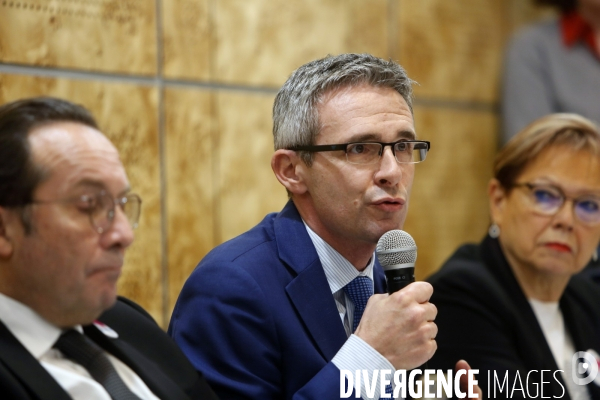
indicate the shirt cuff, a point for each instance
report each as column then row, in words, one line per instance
column 356, row 354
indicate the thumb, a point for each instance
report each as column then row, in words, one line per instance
column 464, row 381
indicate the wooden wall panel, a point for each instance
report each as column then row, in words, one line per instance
column 105, row 35
column 186, row 39
column 190, row 157
column 127, row 114
column 261, row 42
column 525, row 12
column 248, row 187
column 453, row 48
column 448, row 204
column 218, row 142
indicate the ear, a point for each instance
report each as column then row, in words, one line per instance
column 497, row 196
column 288, row 168
column 6, row 219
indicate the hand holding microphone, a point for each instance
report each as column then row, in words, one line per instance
column 397, row 252
column 400, row 326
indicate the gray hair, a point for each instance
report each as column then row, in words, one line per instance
column 295, row 111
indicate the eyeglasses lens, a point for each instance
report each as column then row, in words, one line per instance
column 410, row 152
column 132, row 206
column 549, row 200
column 588, row 210
column 103, row 212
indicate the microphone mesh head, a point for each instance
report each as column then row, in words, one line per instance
column 396, row 247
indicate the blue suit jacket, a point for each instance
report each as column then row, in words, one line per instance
column 257, row 316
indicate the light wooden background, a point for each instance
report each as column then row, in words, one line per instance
column 185, row 88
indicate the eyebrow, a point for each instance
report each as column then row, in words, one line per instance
column 372, row 137
column 92, row 183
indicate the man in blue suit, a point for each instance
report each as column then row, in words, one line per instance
column 270, row 314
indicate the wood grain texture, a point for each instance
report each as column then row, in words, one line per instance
column 189, row 161
column 522, row 13
column 448, row 204
column 127, row 114
column 187, row 39
column 218, row 142
column 100, row 35
column 248, row 187
column 261, row 42
column 453, row 48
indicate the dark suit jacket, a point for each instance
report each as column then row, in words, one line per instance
column 485, row 318
column 592, row 270
column 274, row 325
column 142, row 345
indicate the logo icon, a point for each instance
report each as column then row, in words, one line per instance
column 585, row 367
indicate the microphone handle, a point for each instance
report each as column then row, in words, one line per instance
column 399, row 278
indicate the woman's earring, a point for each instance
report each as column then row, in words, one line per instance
column 595, row 255
column 494, row 230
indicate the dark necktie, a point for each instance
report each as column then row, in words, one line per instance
column 359, row 290
column 86, row 353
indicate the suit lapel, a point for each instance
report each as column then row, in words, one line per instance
column 379, row 284
column 309, row 290
column 153, row 377
column 533, row 346
column 581, row 328
column 27, row 369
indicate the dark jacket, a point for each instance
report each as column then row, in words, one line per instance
column 485, row 318
column 142, row 345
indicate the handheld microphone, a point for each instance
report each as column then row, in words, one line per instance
column 397, row 252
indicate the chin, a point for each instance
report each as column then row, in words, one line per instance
column 104, row 301
column 557, row 266
column 109, row 300
column 388, row 226
column 376, row 234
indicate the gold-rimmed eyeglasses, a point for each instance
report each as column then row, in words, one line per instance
column 101, row 208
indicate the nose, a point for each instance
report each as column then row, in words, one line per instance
column 564, row 217
column 390, row 171
column 120, row 234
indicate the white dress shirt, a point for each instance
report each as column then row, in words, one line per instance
column 38, row 336
column 551, row 320
column 355, row 354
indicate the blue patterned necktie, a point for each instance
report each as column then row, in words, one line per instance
column 359, row 290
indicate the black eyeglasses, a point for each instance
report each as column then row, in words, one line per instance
column 101, row 208
column 547, row 199
column 405, row 151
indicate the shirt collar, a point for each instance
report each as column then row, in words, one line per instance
column 35, row 333
column 338, row 271
column 575, row 29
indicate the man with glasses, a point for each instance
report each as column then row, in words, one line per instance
column 66, row 218
column 276, row 312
